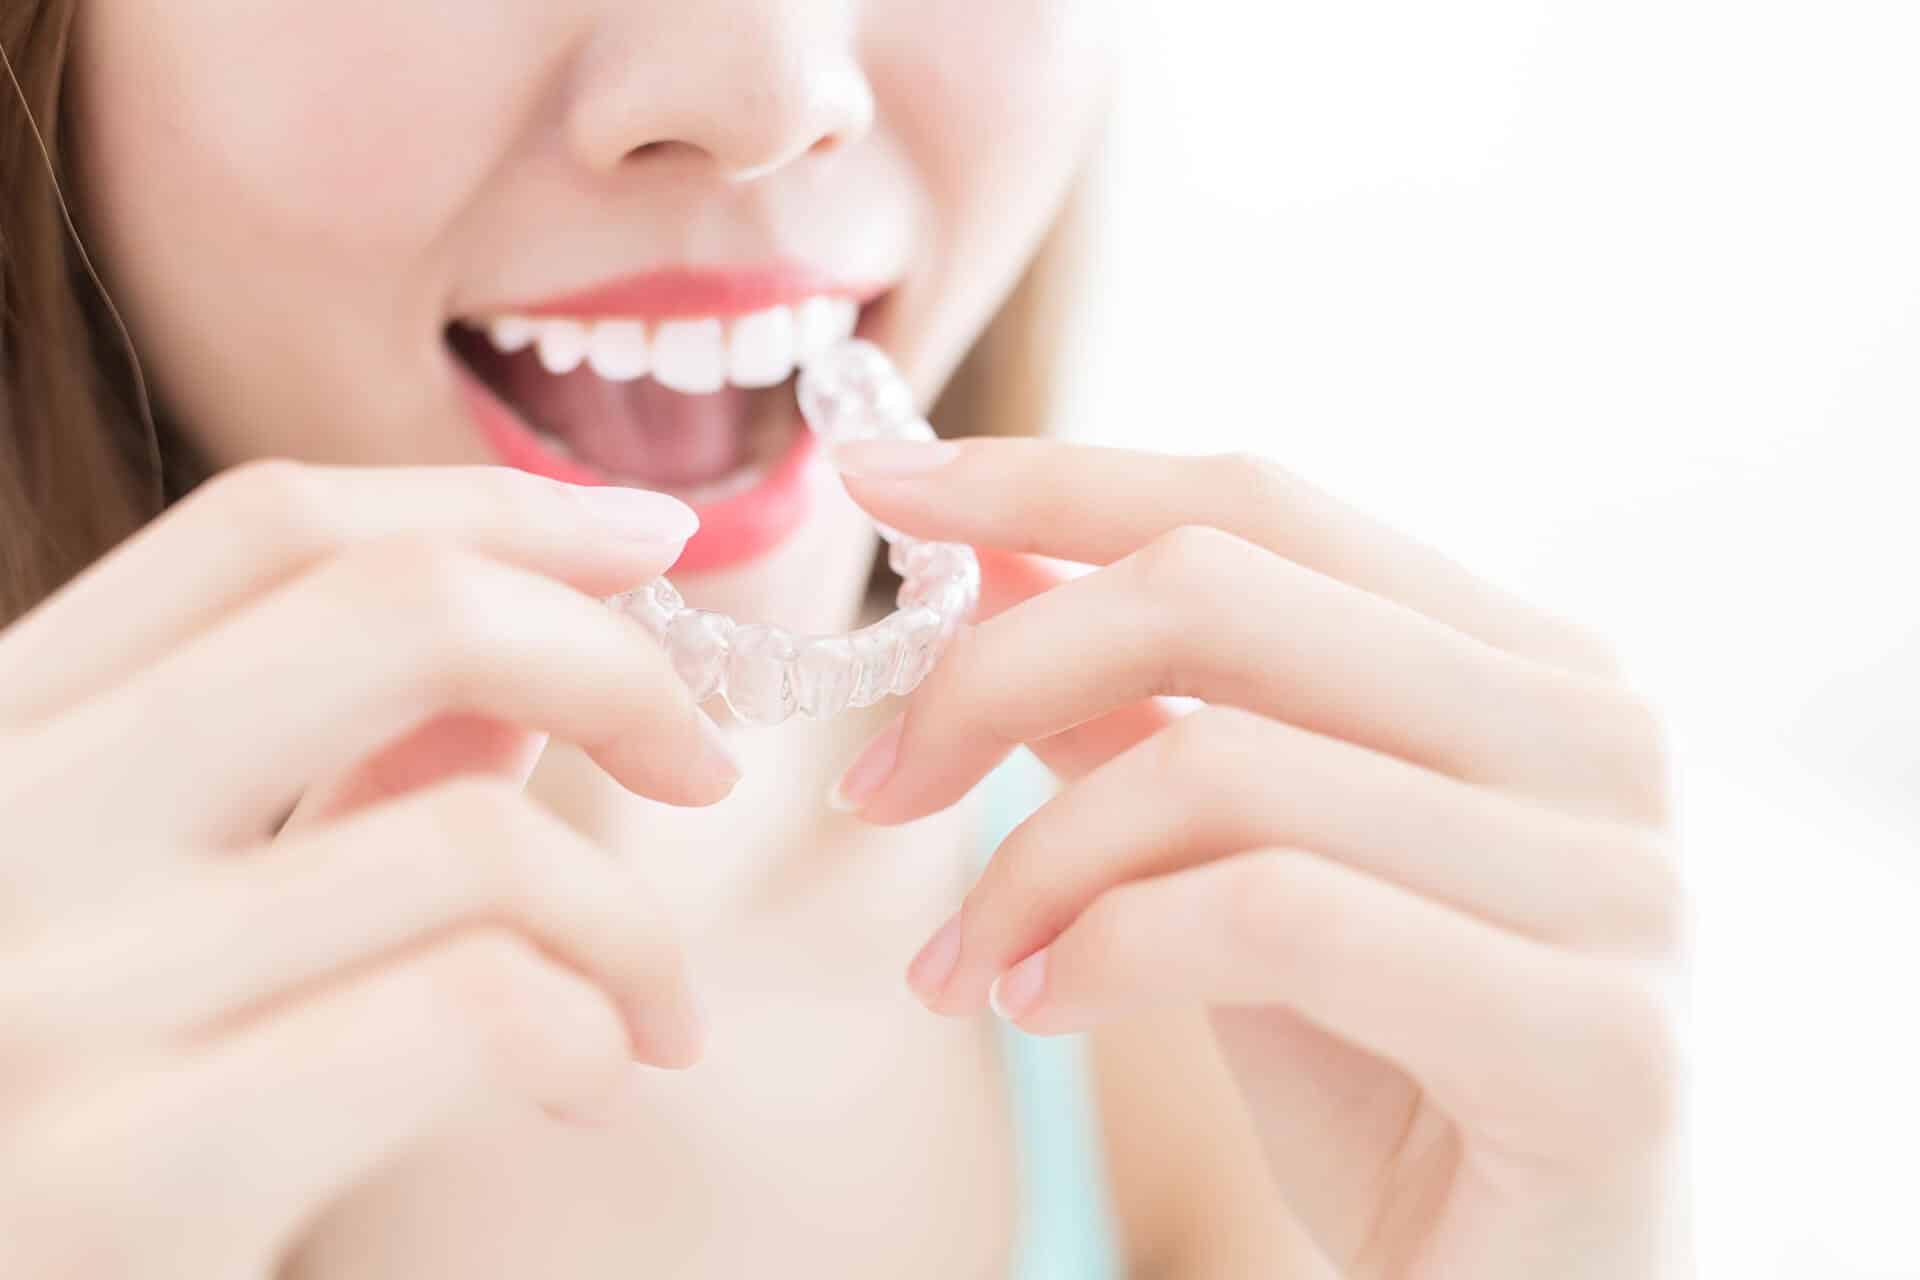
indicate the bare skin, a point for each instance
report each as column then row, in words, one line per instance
column 438, row 1020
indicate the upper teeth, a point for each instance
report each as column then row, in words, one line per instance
column 694, row 355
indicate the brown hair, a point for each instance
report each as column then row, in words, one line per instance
column 83, row 459
column 77, row 465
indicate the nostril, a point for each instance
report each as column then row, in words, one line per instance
column 647, row 149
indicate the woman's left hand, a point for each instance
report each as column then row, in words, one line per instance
column 1416, row 853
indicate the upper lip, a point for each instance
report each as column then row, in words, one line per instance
column 694, row 291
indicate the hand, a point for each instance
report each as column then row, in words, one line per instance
column 203, row 1041
column 1415, row 854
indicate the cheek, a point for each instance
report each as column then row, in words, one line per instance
column 997, row 93
column 345, row 125
column 994, row 101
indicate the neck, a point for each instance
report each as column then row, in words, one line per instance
column 773, row 845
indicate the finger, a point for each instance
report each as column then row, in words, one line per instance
column 266, row 1126
column 1222, row 781
column 255, row 527
column 1404, row 978
column 445, row 748
column 330, row 668
column 1205, row 614
column 1097, row 505
column 225, row 939
column 1008, row 579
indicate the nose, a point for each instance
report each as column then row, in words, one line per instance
column 752, row 84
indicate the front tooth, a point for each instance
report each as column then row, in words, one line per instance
column 760, row 351
column 510, row 334
column 563, row 345
column 823, row 322
column 813, row 327
column 843, row 316
column 690, row 356
column 617, row 350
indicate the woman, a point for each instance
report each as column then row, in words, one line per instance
column 355, row 855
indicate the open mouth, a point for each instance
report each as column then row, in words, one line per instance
column 679, row 381
column 698, row 406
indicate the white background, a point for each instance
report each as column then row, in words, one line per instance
column 1618, row 303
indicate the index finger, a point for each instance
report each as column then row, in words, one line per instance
column 1096, row 505
column 255, row 527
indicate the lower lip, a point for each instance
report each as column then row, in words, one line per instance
column 733, row 530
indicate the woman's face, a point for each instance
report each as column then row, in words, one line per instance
column 333, row 224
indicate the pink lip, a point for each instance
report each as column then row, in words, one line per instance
column 694, row 291
column 732, row 530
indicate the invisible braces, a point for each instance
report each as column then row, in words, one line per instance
column 766, row 673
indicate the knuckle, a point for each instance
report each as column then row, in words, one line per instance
column 1663, row 901
column 1588, row 649
column 1170, row 562
column 276, row 499
column 1612, row 743
column 477, row 981
column 1649, row 753
column 1251, row 481
column 1634, row 760
column 1187, row 579
column 1645, row 1049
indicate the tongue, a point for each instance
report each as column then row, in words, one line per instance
column 636, row 430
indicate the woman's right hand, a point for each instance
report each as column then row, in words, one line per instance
column 208, row 1033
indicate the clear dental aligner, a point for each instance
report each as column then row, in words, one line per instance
column 766, row 673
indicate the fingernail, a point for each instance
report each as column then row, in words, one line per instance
column 721, row 768
column 934, row 966
column 1015, row 992
column 674, row 1038
column 884, row 458
column 869, row 771
column 640, row 514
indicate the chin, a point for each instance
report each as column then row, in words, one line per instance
column 813, row 580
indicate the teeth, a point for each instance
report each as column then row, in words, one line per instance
column 617, row 350
column 821, row 323
column 760, row 351
column 693, row 356
column 563, row 345
column 512, row 333
column 690, row 356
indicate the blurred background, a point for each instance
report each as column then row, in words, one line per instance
column 1618, row 304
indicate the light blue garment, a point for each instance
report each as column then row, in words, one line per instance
column 1066, row 1223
